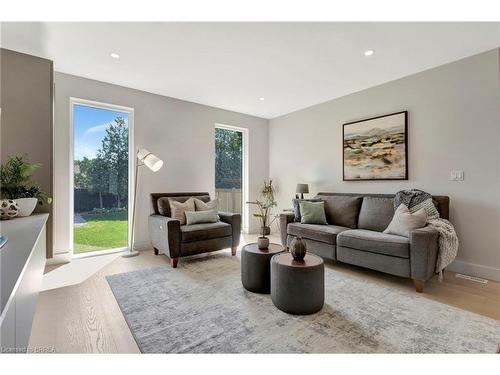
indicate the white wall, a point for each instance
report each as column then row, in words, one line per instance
column 179, row 132
column 454, row 123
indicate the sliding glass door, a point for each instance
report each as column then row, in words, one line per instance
column 101, row 176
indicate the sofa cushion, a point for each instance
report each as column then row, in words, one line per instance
column 205, row 231
column 376, row 213
column 316, row 232
column 375, row 242
column 342, row 210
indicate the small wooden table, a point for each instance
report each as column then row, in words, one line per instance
column 298, row 287
column 255, row 267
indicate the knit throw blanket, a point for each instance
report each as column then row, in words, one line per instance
column 448, row 241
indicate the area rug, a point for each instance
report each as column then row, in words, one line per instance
column 201, row 307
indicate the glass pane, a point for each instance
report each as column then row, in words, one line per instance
column 229, row 169
column 100, row 170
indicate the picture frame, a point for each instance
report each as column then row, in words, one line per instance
column 376, row 148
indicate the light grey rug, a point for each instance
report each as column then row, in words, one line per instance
column 201, row 307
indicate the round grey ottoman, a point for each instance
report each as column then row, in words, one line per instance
column 298, row 287
column 255, row 267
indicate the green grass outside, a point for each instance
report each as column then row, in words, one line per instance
column 102, row 231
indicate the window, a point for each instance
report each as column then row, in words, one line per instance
column 230, row 169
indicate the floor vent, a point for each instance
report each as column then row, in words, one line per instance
column 472, row 278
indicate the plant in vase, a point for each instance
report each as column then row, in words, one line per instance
column 16, row 184
column 265, row 205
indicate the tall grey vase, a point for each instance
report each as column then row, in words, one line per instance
column 298, row 249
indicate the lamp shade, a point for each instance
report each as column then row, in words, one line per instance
column 151, row 161
column 302, row 189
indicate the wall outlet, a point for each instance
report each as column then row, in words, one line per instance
column 457, row 175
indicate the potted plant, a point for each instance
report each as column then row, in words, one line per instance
column 16, row 184
column 265, row 205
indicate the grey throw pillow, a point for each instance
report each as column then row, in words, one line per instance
column 199, row 217
column 312, row 212
column 404, row 221
column 296, row 206
column 205, row 206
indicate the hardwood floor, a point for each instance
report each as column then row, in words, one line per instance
column 85, row 318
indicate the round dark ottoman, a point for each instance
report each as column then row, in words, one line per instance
column 298, row 287
column 255, row 267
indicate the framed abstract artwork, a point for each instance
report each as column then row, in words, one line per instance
column 376, row 148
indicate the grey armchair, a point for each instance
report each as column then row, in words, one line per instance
column 171, row 238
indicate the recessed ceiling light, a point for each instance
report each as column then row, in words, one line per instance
column 261, row 99
column 115, row 55
column 369, row 52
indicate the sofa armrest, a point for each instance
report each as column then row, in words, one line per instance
column 285, row 219
column 235, row 221
column 165, row 234
column 423, row 252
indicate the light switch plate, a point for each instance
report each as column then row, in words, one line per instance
column 457, row 175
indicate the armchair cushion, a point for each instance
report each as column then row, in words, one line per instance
column 161, row 204
column 205, row 231
column 199, row 217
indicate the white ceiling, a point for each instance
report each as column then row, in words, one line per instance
column 232, row 65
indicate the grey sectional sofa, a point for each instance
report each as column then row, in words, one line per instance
column 169, row 237
column 354, row 235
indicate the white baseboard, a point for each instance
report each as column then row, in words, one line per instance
column 478, row 270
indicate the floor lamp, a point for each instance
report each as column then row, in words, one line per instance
column 143, row 157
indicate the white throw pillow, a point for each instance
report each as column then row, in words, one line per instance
column 208, row 206
column 199, row 217
column 404, row 221
column 178, row 209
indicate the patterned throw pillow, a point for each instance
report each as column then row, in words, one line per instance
column 429, row 207
column 208, row 206
column 178, row 209
column 404, row 221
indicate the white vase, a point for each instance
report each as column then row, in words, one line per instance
column 263, row 243
column 26, row 206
